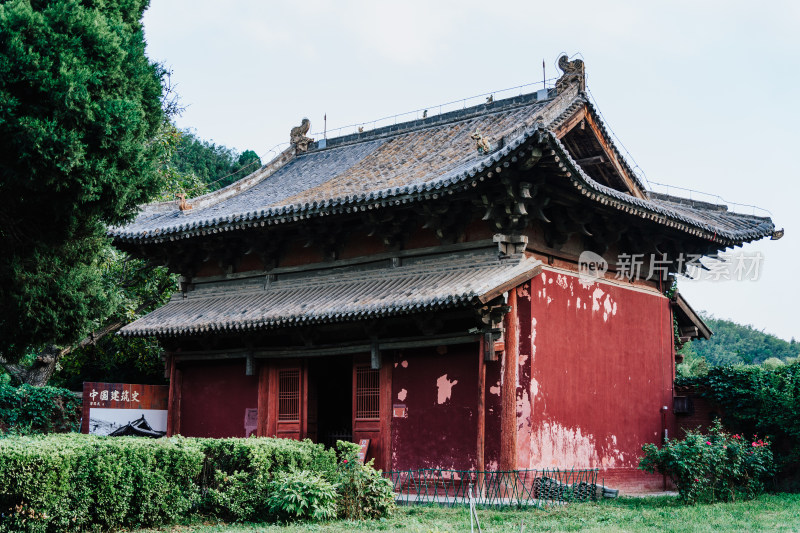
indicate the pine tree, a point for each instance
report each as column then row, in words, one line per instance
column 80, row 109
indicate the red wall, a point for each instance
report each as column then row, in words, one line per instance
column 595, row 369
column 440, row 393
column 214, row 396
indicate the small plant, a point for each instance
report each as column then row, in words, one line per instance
column 302, row 495
column 363, row 492
column 712, row 467
column 240, row 496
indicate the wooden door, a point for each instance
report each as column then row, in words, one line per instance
column 287, row 402
column 371, row 398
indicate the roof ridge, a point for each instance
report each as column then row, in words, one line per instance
column 237, row 187
column 459, row 115
column 688, row 202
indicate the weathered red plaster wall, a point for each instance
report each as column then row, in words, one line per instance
column 214, row 396
column 493, row 408
column 440, row 392
column 360, row 245
column 595, row 368
column 249, row 263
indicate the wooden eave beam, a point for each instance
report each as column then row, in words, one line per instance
column 582, row 115
column 568, row 125
column 512, row 283
column 327, row 350
column 689, row 314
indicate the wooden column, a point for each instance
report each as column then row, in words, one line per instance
column 271, row 411
column 508, row 400
column 174, row 402
column 481, row 461
column 263, row 399
column 385, row 406
column 303, row 400
column 480, row 455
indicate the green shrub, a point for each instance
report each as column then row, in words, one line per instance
column 362, row 491
column 238, row 472
column 755, row 399
column 265, row 455
column 302, row 495
column 75, row 482
column 26, row 410
column 718, row 466
column 241, row 496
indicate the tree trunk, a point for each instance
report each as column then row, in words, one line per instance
column 40, row 372
column 42, row 369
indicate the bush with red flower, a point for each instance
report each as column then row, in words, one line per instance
column 716, row 466
column 363, row 491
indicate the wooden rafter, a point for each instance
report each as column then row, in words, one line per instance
column 583, row 119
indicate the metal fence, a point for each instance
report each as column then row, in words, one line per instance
column 494, row 488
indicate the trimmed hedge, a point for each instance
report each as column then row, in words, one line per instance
column 28, row 410
column 75, row 482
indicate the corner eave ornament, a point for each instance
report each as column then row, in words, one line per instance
column 481, row 143
column 297, row 137
column 183, row 205
column 574, row 73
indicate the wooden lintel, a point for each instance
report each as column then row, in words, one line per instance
column 375, row 356
column 249, row 367
column 589, row 161
column 340, row 349
column 384, row 256
column 487, row 347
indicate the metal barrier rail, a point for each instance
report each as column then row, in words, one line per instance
column 494, row 488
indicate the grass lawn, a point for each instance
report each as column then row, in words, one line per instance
column 779, row 512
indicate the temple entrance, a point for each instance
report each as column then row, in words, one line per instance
column 326, row 399
column 331, row 399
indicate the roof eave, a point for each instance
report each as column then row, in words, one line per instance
column 538, row 134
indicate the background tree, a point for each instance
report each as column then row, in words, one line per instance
column 85, row 137
column 216, row 165
column 133, row 286
column 734, row 343
column 141, row 287
column 80, row 110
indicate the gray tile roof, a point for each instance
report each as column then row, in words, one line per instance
column 419, row 160
column 421, row 155
column 332, row 295
column 711, row 221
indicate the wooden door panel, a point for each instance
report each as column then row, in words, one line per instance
column 286, row 405
column 371, row 410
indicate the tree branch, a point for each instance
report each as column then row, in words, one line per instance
column 40, row 372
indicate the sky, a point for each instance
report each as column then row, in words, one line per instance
column 699, row 94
